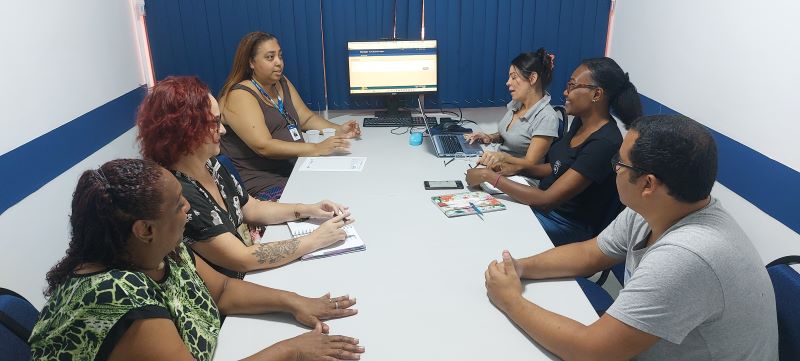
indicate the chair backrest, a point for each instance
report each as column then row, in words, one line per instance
column 228, row 164
column 563, row 119
column 786, row 283
column 17, row 317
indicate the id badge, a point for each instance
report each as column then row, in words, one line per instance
column 294, row 132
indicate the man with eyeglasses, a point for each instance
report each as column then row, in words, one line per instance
column 695, row 288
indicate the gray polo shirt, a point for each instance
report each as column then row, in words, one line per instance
column 540, row 119
column 702, row 288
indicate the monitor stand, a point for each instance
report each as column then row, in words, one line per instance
column 392, row 108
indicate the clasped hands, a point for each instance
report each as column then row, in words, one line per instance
column 503, row 282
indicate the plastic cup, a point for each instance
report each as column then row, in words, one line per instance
column 312, row 136
column 328, row 132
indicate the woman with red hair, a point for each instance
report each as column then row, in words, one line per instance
column 180, row 128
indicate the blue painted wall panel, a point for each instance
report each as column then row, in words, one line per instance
column 190, row 37
column 477, row 40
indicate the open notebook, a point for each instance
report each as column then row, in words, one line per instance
column 353, row 242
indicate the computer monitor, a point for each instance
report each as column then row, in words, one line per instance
column 392, row 67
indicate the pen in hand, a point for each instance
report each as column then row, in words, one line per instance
column 477, row 211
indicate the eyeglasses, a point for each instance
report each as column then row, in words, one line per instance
column 571, row 85
column 616, row 165
column 218, row 121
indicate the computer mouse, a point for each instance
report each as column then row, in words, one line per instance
column 415, row 138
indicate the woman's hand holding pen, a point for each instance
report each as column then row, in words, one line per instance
column 331, row 231
column 322, row 209
column 335, row 144
column 476, row 176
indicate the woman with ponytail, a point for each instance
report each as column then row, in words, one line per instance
column 529, row 126
column 129, row 289
column 577, row 191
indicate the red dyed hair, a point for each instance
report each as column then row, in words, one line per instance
column 174, row 119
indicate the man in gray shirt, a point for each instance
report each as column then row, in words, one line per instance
column 695, row 287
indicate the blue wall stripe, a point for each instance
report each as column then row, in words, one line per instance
column 769, row 185
column 49, row 155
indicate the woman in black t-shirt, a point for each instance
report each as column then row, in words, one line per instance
column 577, row 193
column 180, row 128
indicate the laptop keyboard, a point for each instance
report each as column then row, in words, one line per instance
column 450, row 144
column 399, row 122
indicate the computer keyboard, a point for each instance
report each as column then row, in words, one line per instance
column 398, row 122
column 451, row 144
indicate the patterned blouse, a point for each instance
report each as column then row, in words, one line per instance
column 206, row 218
column 88, row 314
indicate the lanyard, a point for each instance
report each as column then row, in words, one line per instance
column 278, row 105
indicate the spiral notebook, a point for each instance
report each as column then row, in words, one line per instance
column 353, row 242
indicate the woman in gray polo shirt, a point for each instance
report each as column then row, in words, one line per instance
column 530, row 124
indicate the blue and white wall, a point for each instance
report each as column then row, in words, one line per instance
column 72, row 78
column 731, row 65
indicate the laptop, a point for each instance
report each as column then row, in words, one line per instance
column 448, row 144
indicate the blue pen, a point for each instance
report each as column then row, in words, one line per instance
column 477, row 210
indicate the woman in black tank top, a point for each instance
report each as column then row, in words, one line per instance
column 265, row 117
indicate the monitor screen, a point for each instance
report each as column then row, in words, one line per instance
column 392, row 66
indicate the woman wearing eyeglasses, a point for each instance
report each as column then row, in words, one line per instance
column 179, row 127
column 529, row 126
column 266, row 116
column 577, row 193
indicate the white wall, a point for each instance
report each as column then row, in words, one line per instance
column 731, row 65
column 61, row 59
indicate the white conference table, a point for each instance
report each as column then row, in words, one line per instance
column 420, row 282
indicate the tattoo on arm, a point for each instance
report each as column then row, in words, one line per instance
column 276, row 251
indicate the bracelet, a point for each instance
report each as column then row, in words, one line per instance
column 496, row 180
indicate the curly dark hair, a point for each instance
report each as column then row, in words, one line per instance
column 174, row 119
column 106, row 203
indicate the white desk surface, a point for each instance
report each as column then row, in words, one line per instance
column 420, row 283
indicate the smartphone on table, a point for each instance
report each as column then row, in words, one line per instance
column 450, row 184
